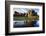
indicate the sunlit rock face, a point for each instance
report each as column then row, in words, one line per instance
column 29, row 14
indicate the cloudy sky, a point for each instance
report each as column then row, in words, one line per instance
column 25, row 10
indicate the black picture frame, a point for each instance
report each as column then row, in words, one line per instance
column 7, row 3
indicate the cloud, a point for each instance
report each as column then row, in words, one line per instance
column 25, row 10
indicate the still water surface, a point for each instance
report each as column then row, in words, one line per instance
column 26, row 23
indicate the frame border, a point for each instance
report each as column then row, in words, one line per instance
column 7, row 3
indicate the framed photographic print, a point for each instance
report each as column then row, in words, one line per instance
column 24, row 17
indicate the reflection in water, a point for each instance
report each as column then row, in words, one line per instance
column 26, row 23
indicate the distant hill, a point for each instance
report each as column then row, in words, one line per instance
column 23, row 14
column 19, row 14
